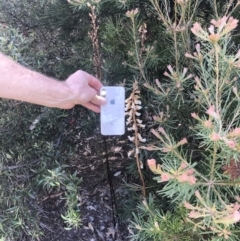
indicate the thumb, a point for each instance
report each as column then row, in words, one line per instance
column 98, row 100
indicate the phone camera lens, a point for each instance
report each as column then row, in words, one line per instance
column 103, row 93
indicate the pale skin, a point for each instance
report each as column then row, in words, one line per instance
column 20, row 83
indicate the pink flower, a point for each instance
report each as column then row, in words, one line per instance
column 182, row 166
column 188, row 206
column 151, row 162
column 194, row 214
column 183, row 178
column 220, row 23
column 235, row 90
column 232, row 144
column 196, row 28
column 187, row 55
column 230, row 219
column 178, row 85
column 198, row 195
column 235, row 132
column 215, row 136
column 184, row 71
column 153, row 167
column 198, row 81
column 189, row 76
column 192, row 180
column 194, row 115
column 214, row 37
column 165, row 150
column 161, row 130
column 189, row 172
column 156, row 134
column 132, row 13
column 225, row 24
column 167, row 74
column 238, row 54
column 182, row 142
column 208, row 123
column 235, row 206
column 166, row 176
column 211, row 29
column 157, row 82
column 185, row 175
column 211, row 112
column 170, row 68
column 198, row 31
column 231, row 24
column 198, row 48
column 146, row 85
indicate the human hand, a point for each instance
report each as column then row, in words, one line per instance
column 84, row 89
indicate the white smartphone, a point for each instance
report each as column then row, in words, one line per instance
column 113, row 112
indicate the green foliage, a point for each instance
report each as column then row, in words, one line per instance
column 13, row 43
column 32, row 166
column 138, row 39
column 151, row 224
column 57, row 179
column 205, row 103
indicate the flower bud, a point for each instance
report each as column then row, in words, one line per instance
column 153, row 167
column 229, row 219
column 165, row 177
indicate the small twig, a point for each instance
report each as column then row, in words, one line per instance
column 97, row 60
column 137, row 159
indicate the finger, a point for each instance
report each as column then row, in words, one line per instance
column 94, row 82
column 92, row 107
column 89, row 94
column 98, row 100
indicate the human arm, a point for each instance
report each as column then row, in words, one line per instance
column 20, row 83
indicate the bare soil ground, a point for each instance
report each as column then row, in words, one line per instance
column 95, row 197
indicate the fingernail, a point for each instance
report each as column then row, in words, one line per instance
column 103, row 101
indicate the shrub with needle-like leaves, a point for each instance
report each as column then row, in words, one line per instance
column 198, row 180
column 196, row 127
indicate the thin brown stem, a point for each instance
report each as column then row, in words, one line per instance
column 215, row 8
column 97, row 60
column 137, row 156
